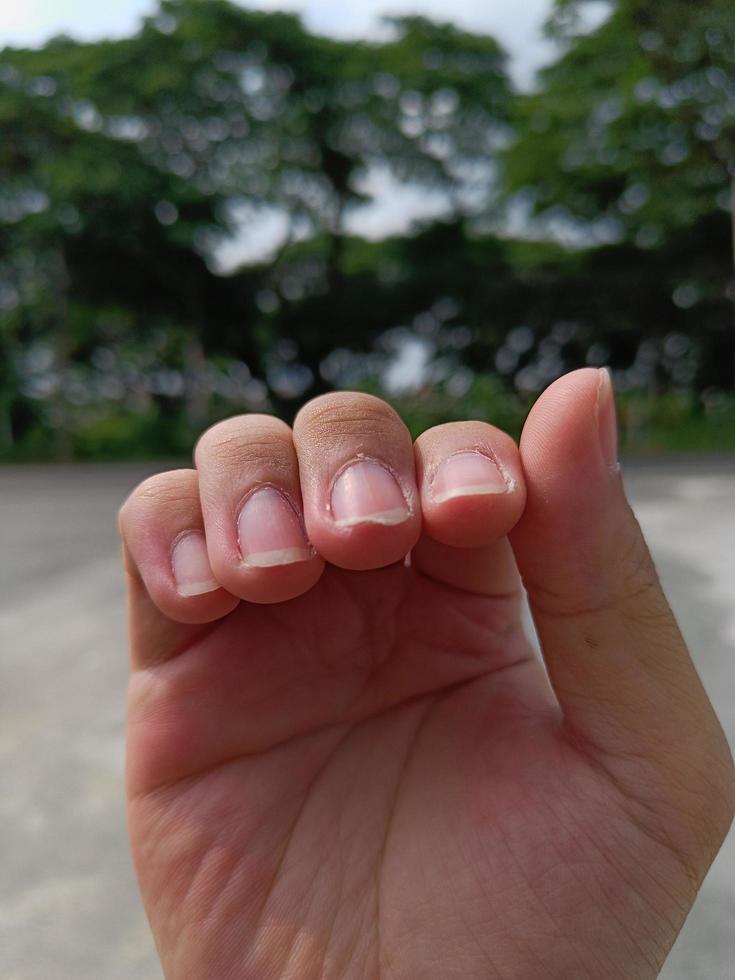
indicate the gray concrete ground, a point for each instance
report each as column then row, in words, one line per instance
column 68, row 901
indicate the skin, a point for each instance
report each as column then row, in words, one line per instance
column 352, row 767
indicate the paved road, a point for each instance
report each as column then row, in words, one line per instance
column 68, row 902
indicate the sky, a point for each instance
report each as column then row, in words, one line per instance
column 515, row 23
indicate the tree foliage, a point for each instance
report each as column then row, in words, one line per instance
column 635, row 122
column 127, row 165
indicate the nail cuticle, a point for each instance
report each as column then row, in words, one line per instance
column 471, row 490
column 266, row 486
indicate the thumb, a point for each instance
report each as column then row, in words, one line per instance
column 617, row 661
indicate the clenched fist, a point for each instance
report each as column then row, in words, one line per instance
column 345, row 759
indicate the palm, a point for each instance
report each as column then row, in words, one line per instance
column 335, row 768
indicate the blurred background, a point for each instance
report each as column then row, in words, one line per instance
column 225, row 209
column 209, row 207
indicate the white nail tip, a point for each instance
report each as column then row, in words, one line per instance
column 197, row 588
column 479, row 490
column 386, row 518
column 282, row 556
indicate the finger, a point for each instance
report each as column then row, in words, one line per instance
column 472, row 494
column 165, row 549
column 251, row 503
column 617, row 661
column 358, row 482
column 471, row 483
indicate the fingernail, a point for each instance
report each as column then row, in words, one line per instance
column 467, row 474
column 368, row 493
column 607, row 420
column 270, row 531
column 191, row 568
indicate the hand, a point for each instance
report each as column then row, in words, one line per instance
column 342, row 764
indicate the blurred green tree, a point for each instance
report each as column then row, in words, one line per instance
column 97, row 244
column 127, row 166
column 630, row 138
column 213, row 115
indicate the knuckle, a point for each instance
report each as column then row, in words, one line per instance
column 718, row 776
column 469, row 434
column 627, row 584
column 704, row 804
column 727, row 813
column 159, row 491
column 634, row 560
column 349, row 414
column 242, row 440
column 638, row 586
column 465, row 429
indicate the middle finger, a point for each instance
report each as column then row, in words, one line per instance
column 358, row 481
